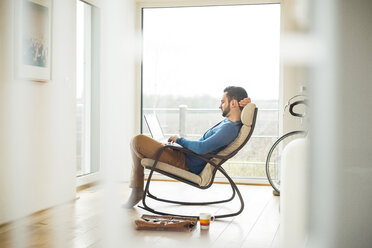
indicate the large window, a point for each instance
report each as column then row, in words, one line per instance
column 87, row 89
column 190, row 54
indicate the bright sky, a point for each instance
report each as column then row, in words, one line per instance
column 201, row 50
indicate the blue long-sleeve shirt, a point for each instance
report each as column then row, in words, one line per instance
column 213, row 141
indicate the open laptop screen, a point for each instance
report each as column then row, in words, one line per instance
column 154, row 127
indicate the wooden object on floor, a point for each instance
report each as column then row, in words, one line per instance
column 165, row 223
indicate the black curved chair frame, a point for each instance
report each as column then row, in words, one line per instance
column 217, row 167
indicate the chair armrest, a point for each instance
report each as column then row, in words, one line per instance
column 205, row 157
column 185, row 150
column 217, row 156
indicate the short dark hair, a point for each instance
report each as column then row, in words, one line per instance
column 237, row 93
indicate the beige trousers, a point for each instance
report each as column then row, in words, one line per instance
column 143, row 146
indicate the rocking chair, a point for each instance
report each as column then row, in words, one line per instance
column 206, row 178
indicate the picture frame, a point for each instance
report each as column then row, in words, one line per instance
column 33, row 39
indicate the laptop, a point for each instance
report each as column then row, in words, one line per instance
column 157, row 134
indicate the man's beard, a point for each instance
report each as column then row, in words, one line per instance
column 226, row 111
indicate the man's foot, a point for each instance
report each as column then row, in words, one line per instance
column 276, row 193
column 134, row 198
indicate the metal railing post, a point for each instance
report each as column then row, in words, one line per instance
column 182, row 120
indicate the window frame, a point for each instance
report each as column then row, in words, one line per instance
column 141, row 4
column 92, row 98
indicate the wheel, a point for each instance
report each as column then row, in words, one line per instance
column 273, row 159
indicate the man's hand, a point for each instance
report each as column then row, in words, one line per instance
column 244, row 102
column 173, row 139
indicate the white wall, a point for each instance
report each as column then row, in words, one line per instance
column 37, row 121
column 120, row 90
column 294, row 73
column 37, row 145
column 341, row 186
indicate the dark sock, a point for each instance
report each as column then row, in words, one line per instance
column 134, row 198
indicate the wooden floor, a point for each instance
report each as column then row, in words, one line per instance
column 96, row 219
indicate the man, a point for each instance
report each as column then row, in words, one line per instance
column 213, row 141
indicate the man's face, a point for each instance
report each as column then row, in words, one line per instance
column 225, row 105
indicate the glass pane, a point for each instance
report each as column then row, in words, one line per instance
column 83, row 85
column 192, row 53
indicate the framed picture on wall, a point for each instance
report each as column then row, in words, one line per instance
column 33, row 39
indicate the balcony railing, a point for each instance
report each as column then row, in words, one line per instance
column 243, row 162
column 183, row 110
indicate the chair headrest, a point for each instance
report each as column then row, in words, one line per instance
column 247, row 114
